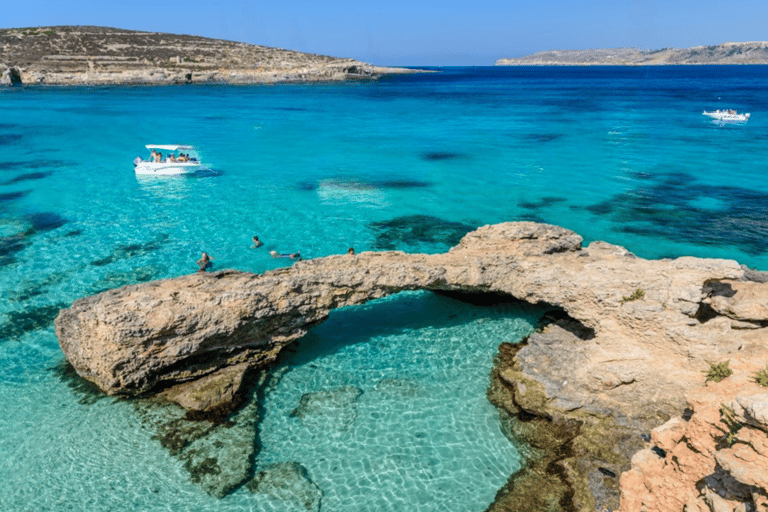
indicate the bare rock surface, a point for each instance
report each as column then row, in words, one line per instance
column 715, row 460
column 632, row 339
column 754, row 52
column 86, row 55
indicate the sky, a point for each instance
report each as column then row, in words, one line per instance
column 419, row 32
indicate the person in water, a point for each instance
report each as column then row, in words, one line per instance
column 351, row 250
column 256, row 242
column 204, row 262
column 296, row 256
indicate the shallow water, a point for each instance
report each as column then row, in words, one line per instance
column 396, row 387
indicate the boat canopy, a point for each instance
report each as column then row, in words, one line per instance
column 171, row 147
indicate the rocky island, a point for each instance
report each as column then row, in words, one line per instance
column 613, row 389
column 84, row 55
column 755, row 52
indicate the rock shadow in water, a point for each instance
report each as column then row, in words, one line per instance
column 413, row 230
column 290, row 484
column 88, row 393
column 122, row 252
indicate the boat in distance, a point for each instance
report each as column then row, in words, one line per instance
column 727, row 116
column 178, row 159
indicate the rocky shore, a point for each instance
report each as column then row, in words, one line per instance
column 755, row 52
column 83, row 55
column 626, row 342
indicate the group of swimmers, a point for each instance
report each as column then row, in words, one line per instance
column 157, row 157
column 205, row 260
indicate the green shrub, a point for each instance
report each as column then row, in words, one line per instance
column 717, row 372
column 761, row 377
column 636, row 295
column 728, row 416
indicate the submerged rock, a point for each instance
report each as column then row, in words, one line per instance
column 288, row 483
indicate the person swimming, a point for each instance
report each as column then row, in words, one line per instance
column 296, row 256
column 204, row 262
column 256, row 242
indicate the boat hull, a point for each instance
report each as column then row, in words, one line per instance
column 728, row 118
column 168, row 169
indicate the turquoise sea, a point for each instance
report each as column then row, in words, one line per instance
column 406, row 162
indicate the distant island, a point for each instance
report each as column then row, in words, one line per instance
column 86, row 55
column 755, row 52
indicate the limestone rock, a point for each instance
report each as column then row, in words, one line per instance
column 713, row 460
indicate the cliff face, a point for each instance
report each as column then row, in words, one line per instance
column 630, row 337
column 71, row 55
column 725, row 53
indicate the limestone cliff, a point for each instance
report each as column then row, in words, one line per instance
column 755, row 52
column 632, row 335
column 83, row 55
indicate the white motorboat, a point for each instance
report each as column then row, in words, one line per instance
column 727, row 116
column 178, row 159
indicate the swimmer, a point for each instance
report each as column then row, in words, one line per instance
column 256, row 242
column 351, row 250
column 296, row 256
column 204, row 262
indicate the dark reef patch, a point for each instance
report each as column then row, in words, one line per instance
column 413, row 230
column 120, row 279
column 544, row 202
column 32, row 164
column 347, row 184
column 542, row 137
column 19, row 323
column 436, row 156
column 9, row 138
column 28, row 177
column 671, row 208
column 402, row 184
column 45, row 221
column 122, row 252
column 9, row 246
column 75, row 232
column 12, row 196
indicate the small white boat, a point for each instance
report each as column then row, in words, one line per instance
column 727, row 116
column 178, row 159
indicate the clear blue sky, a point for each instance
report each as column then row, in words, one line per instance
column 416, row 32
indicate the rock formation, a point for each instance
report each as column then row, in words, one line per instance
column 755, row 52
column 714, row 459
column 632, row 335
column 82, row 55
